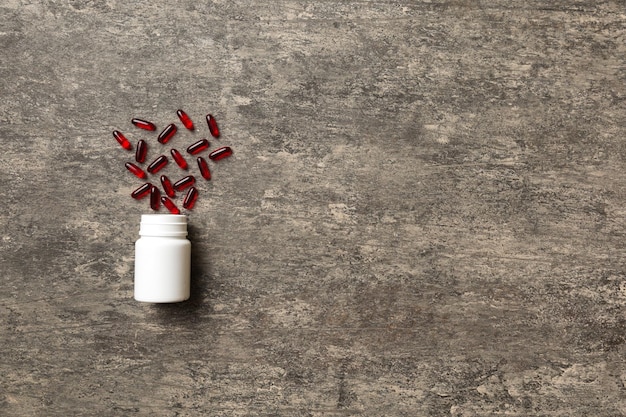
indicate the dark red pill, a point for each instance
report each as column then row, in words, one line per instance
column 204, row 168
column 184, row 119
column 198, row 147
column 143, row 124
column 190, row 198
column 167, row 186
column 142, row 191
column 221, row 153
column 138, row 172
column 169, row 204
column 155, row 198
column 141, row 152
column 215, row 131
column 167, row 133
column 183, row 183
column 180, row 161
column 157, row 164
column 121, row 139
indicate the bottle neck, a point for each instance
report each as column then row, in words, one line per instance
column 163, row 225
column 155, row 236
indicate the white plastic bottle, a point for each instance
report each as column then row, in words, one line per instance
column 162, row 259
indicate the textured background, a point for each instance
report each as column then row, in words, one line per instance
column 424, row 214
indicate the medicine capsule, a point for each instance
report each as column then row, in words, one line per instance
column 157, row 164
column 204, row 168
column 221, row 153
column 185, row 120
column 134, row 169
column 143, row 124
column 180, row 161
column 142, row 151
column 190, row 198
column 198, row 147
column 167, row 186
column 155, row 198
column 121, row 139
column 215, row 131
column 142, row 191
column 169, row 204
column 183, row 183
column 167, row 133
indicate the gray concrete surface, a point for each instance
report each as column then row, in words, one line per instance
column 424, row 215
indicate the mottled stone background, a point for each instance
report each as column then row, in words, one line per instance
column 424, row 214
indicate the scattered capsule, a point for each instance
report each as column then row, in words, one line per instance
column 134, row 169
column 180, row 161
column 155, row 198
column 185, row 120
column 121, row 139
column 215, row 131
column 143, row 124
column 198, row 147
column 204, row 168
column 142, row 191
column 221, row 153
column 167, row 186
column 169, row 204
column 183, row 183
column 142, row 151
column 167, row 133
column 190, row 198
column 157, row 164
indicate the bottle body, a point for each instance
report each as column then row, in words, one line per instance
column 162, row 259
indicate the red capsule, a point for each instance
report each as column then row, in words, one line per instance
column 155, row 198
column 198, row 147
column 157, row 164
column 167, row 133
column 185, row 120
column 215, row 131
column 181, row 184
column 190, row 198
column 142, row 191
column 221, row 153
column 180, row 161
column 204, row 168
column 121, row 139
column 143, row 124
column 167, row 186
column 142, row 151
column 169, row 204
column 134, row 169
